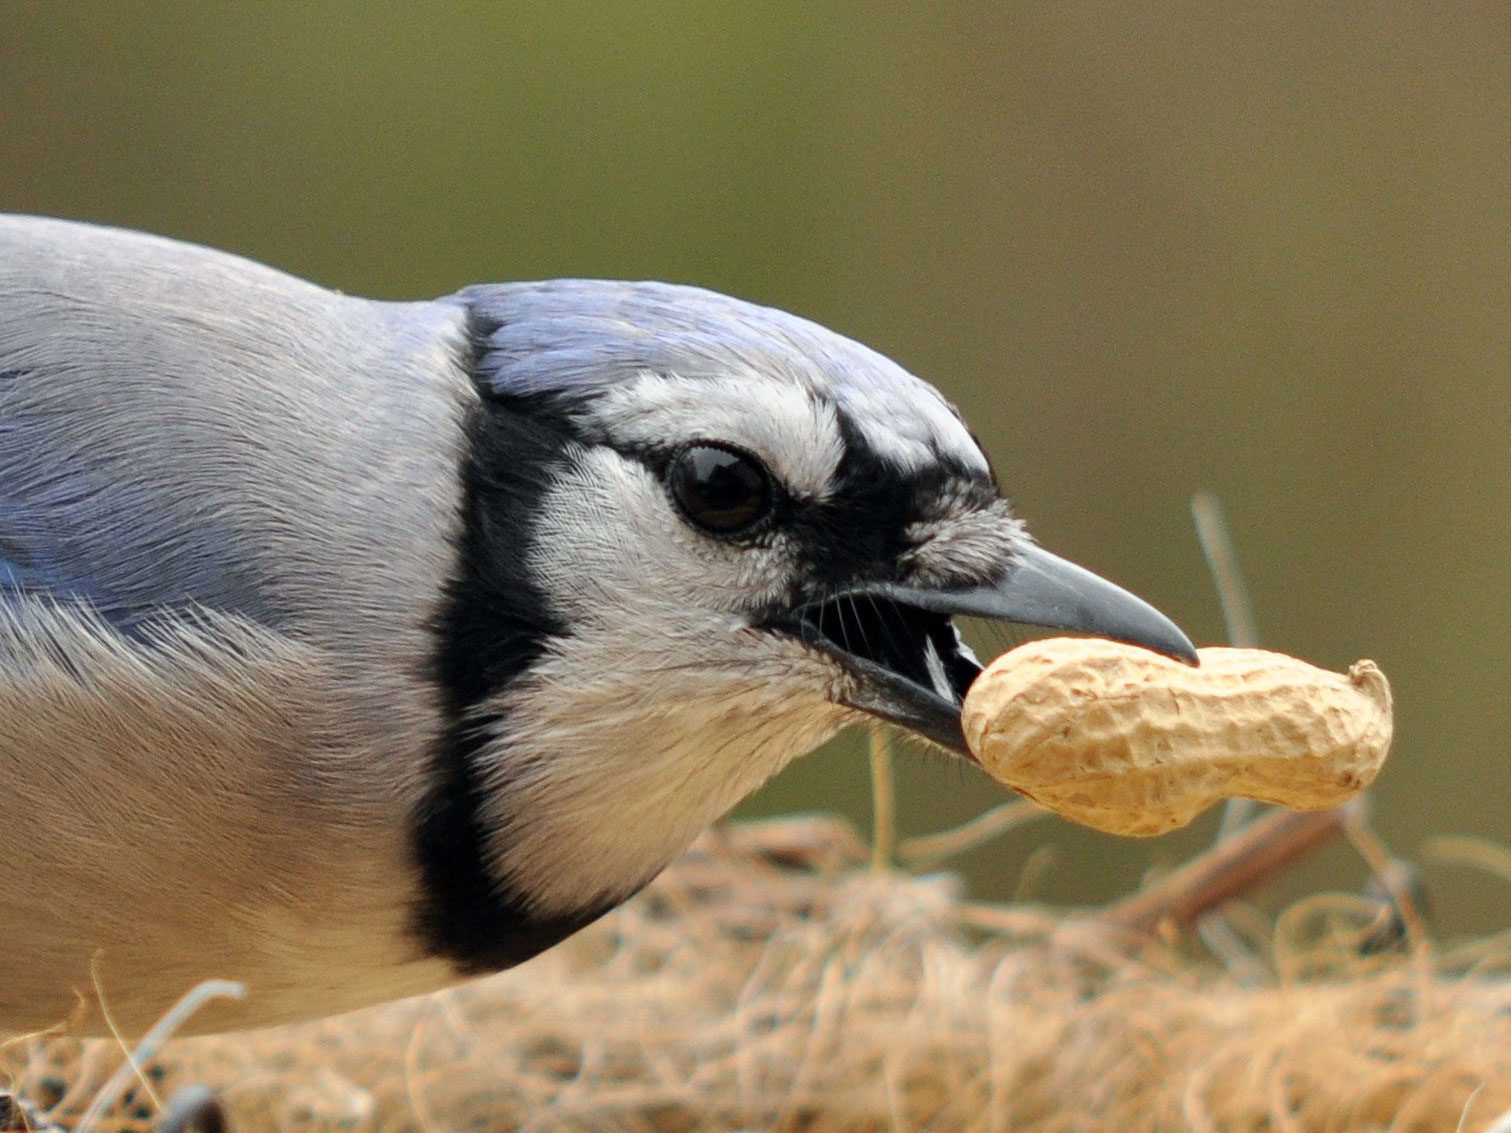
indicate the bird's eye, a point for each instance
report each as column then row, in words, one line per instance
column 719, row 489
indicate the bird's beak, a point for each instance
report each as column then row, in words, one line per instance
column 912, row 669
column 1043, row 589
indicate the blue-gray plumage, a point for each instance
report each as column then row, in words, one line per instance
column 348, row 648
column 569, row 339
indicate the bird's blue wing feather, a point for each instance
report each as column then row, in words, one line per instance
column 28, row 567
column 181, row 429
column 65, row 545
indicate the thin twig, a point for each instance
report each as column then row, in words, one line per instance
column 883, row 800
column 1222, row 563
column 928, row 850
column 146, row 1050
column 1377, row 857
column 1494, row 860
column 1221, row 556
column 1237, row 613
column 1252, row 856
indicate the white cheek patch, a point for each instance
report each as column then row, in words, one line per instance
column 659, row 709
column 609, row 544
column 787, row 426
column 624, row 745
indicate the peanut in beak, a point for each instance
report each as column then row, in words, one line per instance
column 1130, row 742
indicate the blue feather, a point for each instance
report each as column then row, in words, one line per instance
column 27, row 568
column 569, row 340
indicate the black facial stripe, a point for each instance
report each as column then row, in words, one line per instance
column 494, row 626
column 857, row 534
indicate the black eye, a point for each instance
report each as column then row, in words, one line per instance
column 719, row 489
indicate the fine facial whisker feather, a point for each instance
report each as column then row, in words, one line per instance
column 858, row 628
column 860, row 621
column 821, row 604
column 897, row 644
column 844, row 630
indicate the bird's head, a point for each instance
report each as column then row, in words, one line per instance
column 703, row 536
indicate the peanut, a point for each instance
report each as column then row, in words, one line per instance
column 1128, row 741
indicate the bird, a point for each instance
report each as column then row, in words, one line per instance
column 351, row 649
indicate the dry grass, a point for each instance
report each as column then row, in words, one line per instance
column 770, row 981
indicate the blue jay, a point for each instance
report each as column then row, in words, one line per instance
column 352, row 648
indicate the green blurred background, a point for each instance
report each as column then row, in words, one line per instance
column 1259, row 249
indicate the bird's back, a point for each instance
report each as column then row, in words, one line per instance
column 180, row 425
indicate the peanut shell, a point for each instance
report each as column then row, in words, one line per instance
column 1131, row 742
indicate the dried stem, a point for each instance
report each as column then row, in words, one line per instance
column 1222, row 563
column 146, row 1050
column 1237, row 614
column 883, row 800
column 929, row 850
column 1249, row 858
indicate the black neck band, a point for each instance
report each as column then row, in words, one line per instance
column 494, row 625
